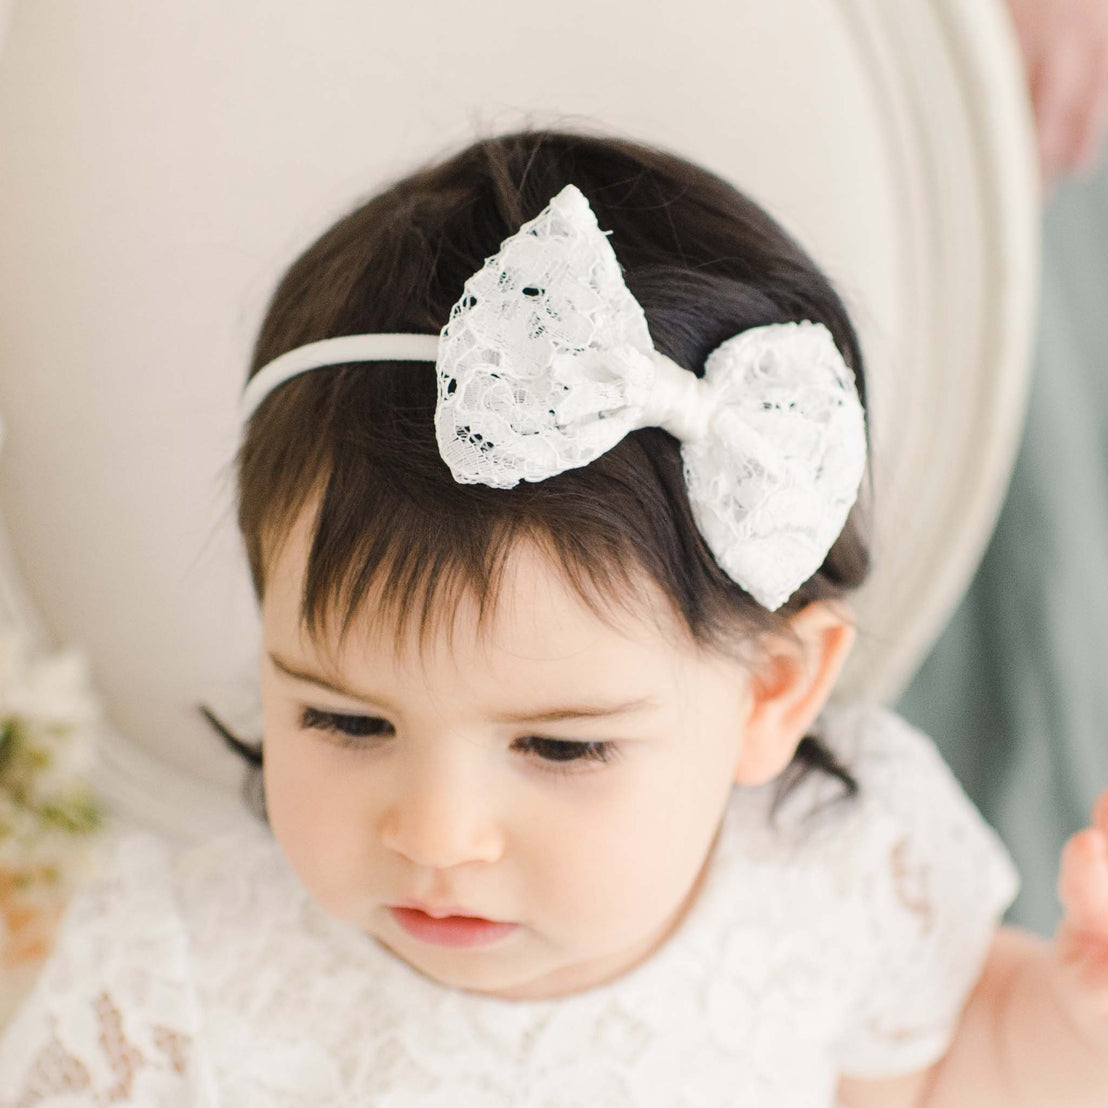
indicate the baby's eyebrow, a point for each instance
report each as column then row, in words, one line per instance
column 544, row 715
column 581, row 711
column 331, row 684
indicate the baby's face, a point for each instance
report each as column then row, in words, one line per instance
column 457, row 787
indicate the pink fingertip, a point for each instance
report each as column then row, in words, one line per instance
column 1081, row 853
column 1100, row 812
column 1092, row 843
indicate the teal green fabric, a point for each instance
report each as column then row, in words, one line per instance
column 1015, row 693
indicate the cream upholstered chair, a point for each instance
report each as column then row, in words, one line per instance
column 160, row 164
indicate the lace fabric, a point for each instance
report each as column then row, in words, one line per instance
column 547, row 362
column 772, row 488
column 112, row 1018
column 841, row 941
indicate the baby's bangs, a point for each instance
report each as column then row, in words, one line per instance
column 397, row 544
column 387, row 565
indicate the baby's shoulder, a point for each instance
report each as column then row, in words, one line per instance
column 881, row 747
column 112, row 1013
column 126, row 903
column 897, row 768
column 115, row 1014
column 929, row 883
column 874, row 739
column 904, row 803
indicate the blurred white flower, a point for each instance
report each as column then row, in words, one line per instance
column 54, row 689
column 50, row 721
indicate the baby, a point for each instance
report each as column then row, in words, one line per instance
column 549, row 488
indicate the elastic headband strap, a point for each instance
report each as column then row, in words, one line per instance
column 345, row 348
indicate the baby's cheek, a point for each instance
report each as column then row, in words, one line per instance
column 629, row 861
column 600, row 878
column 316, row 832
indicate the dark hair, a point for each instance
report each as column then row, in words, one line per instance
column 703, row 260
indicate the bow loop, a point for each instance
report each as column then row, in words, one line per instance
column 772, row 486
column 549, row 319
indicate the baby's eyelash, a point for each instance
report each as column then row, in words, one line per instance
column 350, row 727
column 566, row 752
column 351, row 730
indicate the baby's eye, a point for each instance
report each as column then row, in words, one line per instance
column 563, row 751
column 556, row 753
column 348, row 729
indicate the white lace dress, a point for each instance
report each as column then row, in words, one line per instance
column 844, row 944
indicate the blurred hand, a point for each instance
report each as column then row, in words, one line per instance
column 1065, row 53
column 1081, row 942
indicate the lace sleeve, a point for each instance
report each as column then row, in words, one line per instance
column 936, row 882
column 111, row 1018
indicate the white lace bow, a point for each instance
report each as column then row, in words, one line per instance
column 546, row 363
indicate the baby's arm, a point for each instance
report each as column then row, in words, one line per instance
column 1034, row 1031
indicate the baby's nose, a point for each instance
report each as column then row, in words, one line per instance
column 440, row 819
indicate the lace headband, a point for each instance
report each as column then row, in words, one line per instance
column 546, row 363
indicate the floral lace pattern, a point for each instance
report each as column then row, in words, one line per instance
column 112, row 1017
column 847, row 935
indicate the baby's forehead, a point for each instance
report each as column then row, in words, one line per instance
column 533, row 613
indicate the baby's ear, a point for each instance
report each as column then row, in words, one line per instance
column 789, row 687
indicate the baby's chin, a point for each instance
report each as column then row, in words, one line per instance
column 499, row 971
column 519, row 967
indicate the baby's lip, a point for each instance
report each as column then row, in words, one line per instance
column 440, row 911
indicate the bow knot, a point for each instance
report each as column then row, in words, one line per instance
column 680, row 402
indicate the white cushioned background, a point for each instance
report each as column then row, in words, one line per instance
column 161, row 164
